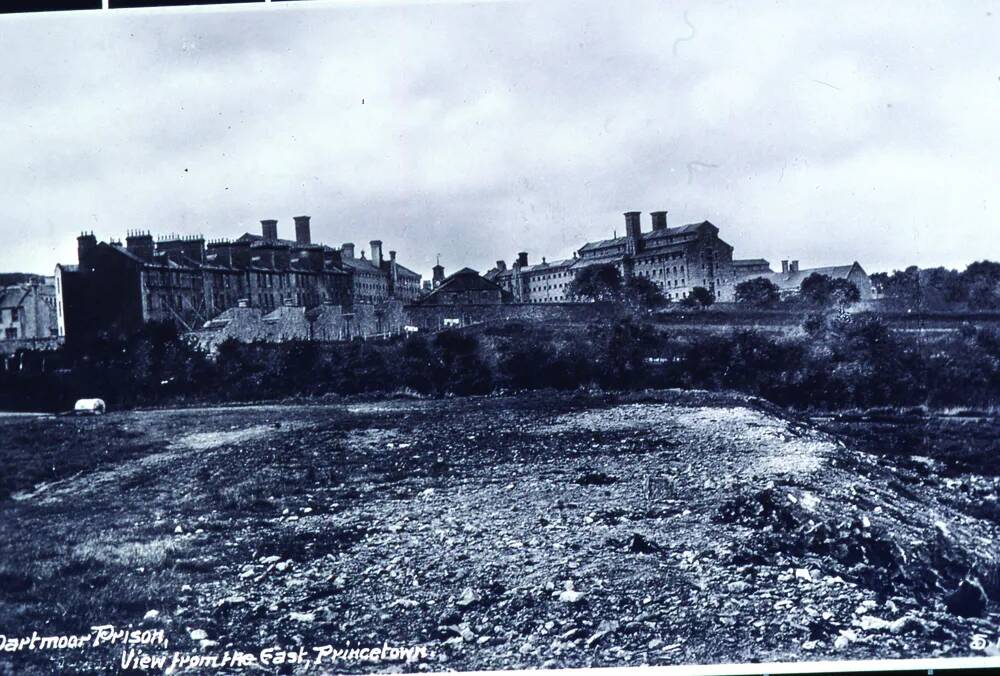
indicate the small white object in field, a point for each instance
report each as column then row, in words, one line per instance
column 89, row 406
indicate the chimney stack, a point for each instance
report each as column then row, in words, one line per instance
column 659, row 219
column 784, row 267
column 522, row 259
column 302, row 235
column 501, row 266
column 376, row 252
column 269, row 228
column 140, row 243
column 793, row 266
column 347, row 250
column 85, row 244
column 632, row 225
column 437, row 275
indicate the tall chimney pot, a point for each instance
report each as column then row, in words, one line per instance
column 522, row 259
column 659, row 219
column 269, row 228
column 302, row 235
column 784, row 266
column 376, row 252
column 632, row 225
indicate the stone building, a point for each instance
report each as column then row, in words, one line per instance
column 115, row 287
column 745, row 268
column 465, row 287
column 675, row 259
column 28, row 315
column 789, row 280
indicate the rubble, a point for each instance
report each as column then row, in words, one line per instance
column 541, row 545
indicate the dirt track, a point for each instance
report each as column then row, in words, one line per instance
column 541, row 531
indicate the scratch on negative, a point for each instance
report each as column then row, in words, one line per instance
column 694, row 32
column 827, row 84
column 699, row 165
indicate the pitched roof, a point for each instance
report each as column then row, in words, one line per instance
column 548, row 265
column 12, row 296
column 750, row 261
column 360, row 264
column 648, row 236
column 465, row 279
column 793, row 280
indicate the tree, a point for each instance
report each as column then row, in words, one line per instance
column 643, row 294
column 816, row 289
column 983, row 296
column 843, row 292
column 598, row 283
column 699, row 297
column 759, row 292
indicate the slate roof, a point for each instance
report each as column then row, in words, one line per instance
column 12, row 296
column 789, row 281
column 647, row 236
column 465, row 279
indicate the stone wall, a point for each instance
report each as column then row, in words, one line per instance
column 324, row 323
column 436, row 317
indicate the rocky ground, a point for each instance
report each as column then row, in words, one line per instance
column 538, row 531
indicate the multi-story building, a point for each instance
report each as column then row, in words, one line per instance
column 675, row 259
column 116, row 288
column 28, row 314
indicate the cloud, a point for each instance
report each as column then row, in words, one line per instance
column 824, row 132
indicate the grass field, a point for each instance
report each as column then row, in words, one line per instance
column 543, row 530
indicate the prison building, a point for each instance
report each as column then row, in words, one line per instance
column 28, row 315
column 675, row 259
column 115, row 288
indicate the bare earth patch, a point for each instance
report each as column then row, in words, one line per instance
column 507, row 533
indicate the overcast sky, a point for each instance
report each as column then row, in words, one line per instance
column 826, row 132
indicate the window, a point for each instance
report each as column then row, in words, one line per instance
column 13, row 314
column 10, row 334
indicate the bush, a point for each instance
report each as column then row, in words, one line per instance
column 758, row 292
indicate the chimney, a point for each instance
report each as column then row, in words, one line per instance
column 139, row 243
column 376, row 252
column 501, row 266
column 269, row 228
column 393, row 273
column 194, row 248
column 784, row 267
column 302, row 230
column 793, row 266
column 659, row 219
column 222, row 250
column 85, row 244
column 522, row 259
column 632, row 225
column 347, row 250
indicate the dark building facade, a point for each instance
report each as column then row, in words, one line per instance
column 115, row 288
column 465, row 287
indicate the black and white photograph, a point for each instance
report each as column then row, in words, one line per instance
column 398, row 337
